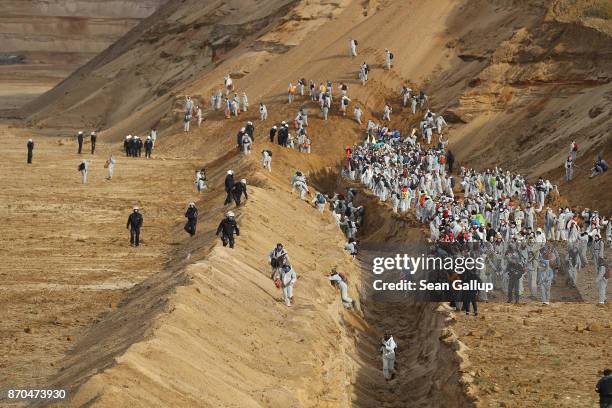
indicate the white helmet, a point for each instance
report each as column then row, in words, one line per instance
column 243, row 181
column 230, row 172
column 29, row 140
column 136, row 208
column 93, row 133
column 230, row 214
column 192, row 204
column 242, row 129
column 80, row 132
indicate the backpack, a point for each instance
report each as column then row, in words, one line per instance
column 320, row 199
column 269, row 153
column 356, row 43
column 575, row 147
column 390, row 55
column 81, row 167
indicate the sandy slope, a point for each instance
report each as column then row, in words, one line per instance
column 227, row 340
column 139, row 344
column 528, row 76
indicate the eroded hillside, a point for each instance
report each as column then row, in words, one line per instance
column 43, row 42
column 517, row 80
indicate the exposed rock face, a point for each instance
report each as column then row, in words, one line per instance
column 180, row 40
column 50, row 39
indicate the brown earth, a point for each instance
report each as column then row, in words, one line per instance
column 518, row 80
column 53, row 38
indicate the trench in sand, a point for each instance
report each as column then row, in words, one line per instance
column 429, row 362
column 163, row 345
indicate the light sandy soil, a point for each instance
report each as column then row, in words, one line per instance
column 65, row 250
column 537, row 356
column 201, row 324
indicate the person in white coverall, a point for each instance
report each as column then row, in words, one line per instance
column 388, row 58
column 601, row 280
column 545, row 279
column 336, row 279
column 288, row 278
column 263, row 112
column 357, row 114
column 298, row 182
column 266, row 159
column 84, row 168
column 387, row 112
column 388, row 356
column 110, row 166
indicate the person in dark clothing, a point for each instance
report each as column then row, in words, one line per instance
column 604, row 389
column 138, row 147
column 80, row 141
column 192, row 219
column 470, row 297
column 250, row 130
column 133, row 144
column 450, row 159
column 490, row 232
column 515, row 273
column 239, row 139
column 229, row 185
column 272, row 134
column 134, row 223
column 126, row 145
column 283, row 134
column 227, row 228
column 454, row 295
column 237, row 190
column 93, row 138
column 30, row 150
column 148, row 145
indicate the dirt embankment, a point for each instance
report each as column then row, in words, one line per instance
column 518, row 81
column 215, row 333
column 133, row 84
column 44, row 42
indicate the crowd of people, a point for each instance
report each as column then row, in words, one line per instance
column 497, row 214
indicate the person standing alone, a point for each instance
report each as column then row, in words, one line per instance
column 30, row 150
column 80, row 141
column 134, row 223
column 94, row 137
column 192, row 219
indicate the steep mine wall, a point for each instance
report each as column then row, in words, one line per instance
column 51, row 39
